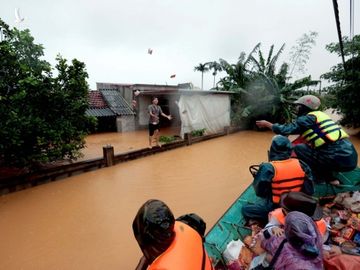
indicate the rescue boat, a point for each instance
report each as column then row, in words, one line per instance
column 231, row 225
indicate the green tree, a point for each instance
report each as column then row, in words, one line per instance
column 239, row 74
column 236, row 74
column 260, row 90
column 346, row 81
column 202, row 68
column 42, row 116
column 268, row 66
column 216, row 67
column 236, row 79
column 271, row 98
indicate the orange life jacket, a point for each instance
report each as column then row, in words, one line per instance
column 185, row 252
column 289, row 176
column 279, row 215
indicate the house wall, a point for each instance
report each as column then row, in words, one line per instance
column 125, row 123
column 126, row 93
column 142, row 115
column 123, row 89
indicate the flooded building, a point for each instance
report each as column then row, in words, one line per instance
column 106, row 118
column 112, row 111
column 190, row 109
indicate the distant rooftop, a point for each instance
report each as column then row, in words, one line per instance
column 143, row 86
column 116, row 102
column 96, row 100
column 107, row 102
column 154, row 89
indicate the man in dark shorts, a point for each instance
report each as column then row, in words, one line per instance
column 154, row 121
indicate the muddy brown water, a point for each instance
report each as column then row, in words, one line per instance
column 122, row 142
column 84, row 222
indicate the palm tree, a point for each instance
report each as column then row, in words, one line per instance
column 215, row 66
column 239, row 74
column 202, row 68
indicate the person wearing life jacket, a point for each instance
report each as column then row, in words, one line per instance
column 167, row 243
column 300, row 246
column 281, row 174
column 327, row 149
column 297, row 201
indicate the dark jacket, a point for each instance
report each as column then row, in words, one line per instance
column 280, row 150
column 338, row 156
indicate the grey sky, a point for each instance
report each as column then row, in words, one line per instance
column 112, row 37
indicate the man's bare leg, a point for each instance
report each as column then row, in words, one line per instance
column 150, row 140
column 156, row 135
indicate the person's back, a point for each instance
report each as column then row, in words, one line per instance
column 168, row 243
column 281, row 174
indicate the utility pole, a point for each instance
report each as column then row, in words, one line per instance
column 337, row 20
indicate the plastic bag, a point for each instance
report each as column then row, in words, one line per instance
column 232, row 251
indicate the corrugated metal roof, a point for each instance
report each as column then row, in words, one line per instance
column 116, row 102
column 104, row 112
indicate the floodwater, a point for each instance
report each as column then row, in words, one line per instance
column 84, row 222
column 122, row 142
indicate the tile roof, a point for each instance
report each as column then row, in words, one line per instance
column 96, row 100
column 116, row 102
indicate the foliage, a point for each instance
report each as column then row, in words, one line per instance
column 269, row 99
column 300, row 53
column 260, row 90
column 198, row 132
column 266, row 67
column 328, row 101
column 42, row 116
column 346, row 83
column 167, row 139
column 215, row 66
column 239, row 74
column 202, row 68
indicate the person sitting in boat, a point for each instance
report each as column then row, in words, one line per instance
column 327, row 148
column 281, row 174
column 297, row 201
column 299, row 248
column 167, row 243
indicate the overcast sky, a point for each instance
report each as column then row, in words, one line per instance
column 112, row 37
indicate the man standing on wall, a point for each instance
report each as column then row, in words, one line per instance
column 154, row 121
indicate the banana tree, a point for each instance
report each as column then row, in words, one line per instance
column 268, row 98
column 267, row 66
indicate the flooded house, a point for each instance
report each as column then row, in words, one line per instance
column 125, row 106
